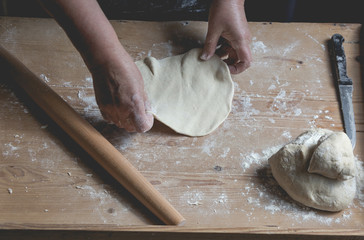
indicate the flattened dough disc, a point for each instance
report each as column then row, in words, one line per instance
column 191, row 96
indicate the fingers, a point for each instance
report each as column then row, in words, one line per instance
column 121, row 98
column 241, row 62
column 238, row 59
column 137, row 119
column 238, row 67
column 212, row 39
column 141, row 118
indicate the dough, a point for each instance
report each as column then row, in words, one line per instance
column 333, row 157
column 290, row 168
column 191, row 96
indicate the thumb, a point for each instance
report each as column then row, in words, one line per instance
column 209, row 48
column 143, row 118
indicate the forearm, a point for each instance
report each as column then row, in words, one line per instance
column 88, row 29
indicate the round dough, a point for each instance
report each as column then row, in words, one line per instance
column 290, row 169
column 191, row 96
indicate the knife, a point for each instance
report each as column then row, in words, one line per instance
column 344, row 86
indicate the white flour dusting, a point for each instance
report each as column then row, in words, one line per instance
column 316, row 41
column 223, row 198
column 88, row 82
column 90, row 105
column 258, row 47
column 288, row 49
column 194, row 197
column 271, row 120
column 319, row 115
column 102, row 197
column 257, row 159
column 287, row 105
column 11, row 148
column 243, row 107
column 272, row 87
column 297, row 112
column 225, row 153
column 287, row 135
column 208, row 146
column 44, row 77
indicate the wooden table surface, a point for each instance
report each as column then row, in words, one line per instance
column 220, row 183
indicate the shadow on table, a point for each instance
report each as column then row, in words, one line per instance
column 69, row 146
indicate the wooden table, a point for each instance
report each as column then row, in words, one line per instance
column 220, row 183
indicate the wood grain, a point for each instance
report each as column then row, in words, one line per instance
column 220, row 183
column 89, row 139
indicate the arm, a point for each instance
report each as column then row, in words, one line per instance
column 118, row 84
column 227, row 20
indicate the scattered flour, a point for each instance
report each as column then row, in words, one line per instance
column 316, row 41
column 267, row 196
column 208, row 146
column 11, row 149
column 272, row 87
column 288, row 49
column 44, row 77
column 287, row 135
column 90, row 106
column 287, row 105
column 225, row 153
column 102, row 196
column 258, row 46
column 194, row 197
column 223, row 198
column 257, row 159
column 243, row 107
column 297, row 112
column 319, row 115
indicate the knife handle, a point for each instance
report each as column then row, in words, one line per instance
column 340, row 59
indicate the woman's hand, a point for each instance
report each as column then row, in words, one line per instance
column 228, row 24
column 118, row 84
column 119, row 92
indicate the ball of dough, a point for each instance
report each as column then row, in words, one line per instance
column 290, row 168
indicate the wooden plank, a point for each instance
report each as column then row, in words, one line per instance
column 221, row 183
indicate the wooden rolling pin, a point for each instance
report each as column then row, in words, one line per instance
column 90, row 140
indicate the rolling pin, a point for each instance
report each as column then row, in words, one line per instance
column 90, row 140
